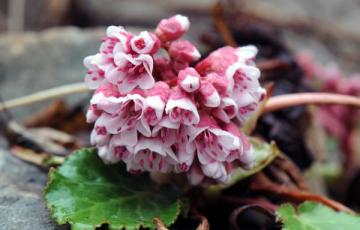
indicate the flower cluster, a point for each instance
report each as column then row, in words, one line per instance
column 155, row 112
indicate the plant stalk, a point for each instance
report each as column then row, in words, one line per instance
column 289, row 100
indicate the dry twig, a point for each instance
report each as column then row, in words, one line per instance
column 159, row 224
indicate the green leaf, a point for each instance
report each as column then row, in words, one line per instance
column 87, row 194
column 264, row 154
column 315, row 216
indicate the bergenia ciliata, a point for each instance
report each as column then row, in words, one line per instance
column 158, row 111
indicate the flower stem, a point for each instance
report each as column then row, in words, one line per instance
column 52, row 93
column 284, row 101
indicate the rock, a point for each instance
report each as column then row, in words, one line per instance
column 21, row 202
column 31, row 61
column 336, row 16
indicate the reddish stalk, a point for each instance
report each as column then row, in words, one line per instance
column 263, row 184
column 220, row 24
column 284, row 101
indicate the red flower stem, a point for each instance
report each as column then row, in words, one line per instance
column 288, row 100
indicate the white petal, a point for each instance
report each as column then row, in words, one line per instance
column 196, row 54
column 227, row 140
column 109, row 104
column 106, row 155
column 247, row 52
column 195, row 175
column 157, row 104
column 93, row 84
column 91, row 116
column 211, row 169
column 129, row 137
column 152, row 144
column 195, row 131
column 99, row 140
column 113, row 124
column 251, row 71
column 185, row 104
column 246, row 99
column 121, row 59
column 143, row 127
column 165, row 123
column 146, row 81
column 115, row 76
column 112, row 30
column 190, row 83
column 184, row 21
column 213, row 100
column 127, row 86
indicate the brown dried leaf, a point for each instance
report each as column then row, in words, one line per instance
column 40, row 159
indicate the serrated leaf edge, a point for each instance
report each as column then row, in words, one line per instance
column 68, row 221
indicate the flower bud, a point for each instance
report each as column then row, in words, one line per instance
column 189, row 80
column 208, row 94
column 172, row 28
column 184, row 51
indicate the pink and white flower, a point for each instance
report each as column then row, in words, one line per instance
column 219, row 171
column 221, row 59
column 92, row 114
column 155, row 101
column 117, row 40
column 181, row 108
column 212, row 143
column 151, row 155
column 132, row 71
column 227, row 109
column 145, row 43
column 218, row 61
column 96, row 66
column 106, row 98
column 183, row 51
column 220, row 83
column 209, row 96
column 189, row 80
column 100, row 135
column 185, row 149
column 244, row 154
column 128, row 115
column 155, row 113
column 247, row 91
column 172, row 28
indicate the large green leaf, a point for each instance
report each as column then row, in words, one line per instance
column 87, row 193
column 264, row 154
column 315, row 216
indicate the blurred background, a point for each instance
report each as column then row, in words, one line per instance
column 43, row 43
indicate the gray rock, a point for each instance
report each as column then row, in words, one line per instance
column 344, row 15
column 21, row 202
column 36, row 61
